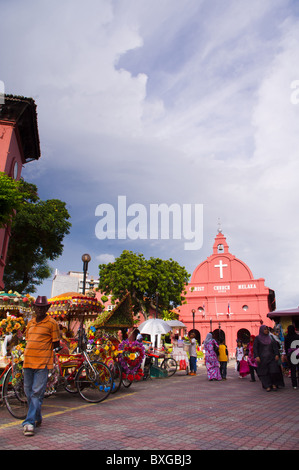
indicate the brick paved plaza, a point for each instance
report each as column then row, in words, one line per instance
column 180, row 413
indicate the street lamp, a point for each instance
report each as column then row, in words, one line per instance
column 85, row 258
column 193, row 314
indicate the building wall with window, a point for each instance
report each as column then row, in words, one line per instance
column 224, row 297
column 19, row 144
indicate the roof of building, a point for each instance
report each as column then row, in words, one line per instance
column 292, row 312
column 22, row 112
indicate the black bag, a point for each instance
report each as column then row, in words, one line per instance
column 216, row 349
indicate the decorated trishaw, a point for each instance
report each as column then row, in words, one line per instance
column 77, row 371
column 73, row 370
column 15, row 310
column 125, row 357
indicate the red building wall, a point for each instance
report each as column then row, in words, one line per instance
column 223, row 295
column 19, row 144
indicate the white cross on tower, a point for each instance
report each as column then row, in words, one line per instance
column 221, row 266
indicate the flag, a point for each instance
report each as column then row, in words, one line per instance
column 228, row 308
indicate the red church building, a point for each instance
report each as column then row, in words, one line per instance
column 224, row 297
column 19, row 144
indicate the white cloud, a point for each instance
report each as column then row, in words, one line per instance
column 105, row 258
column 174, row 101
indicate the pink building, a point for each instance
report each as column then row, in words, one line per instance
column 224, row 297
column 19, row 144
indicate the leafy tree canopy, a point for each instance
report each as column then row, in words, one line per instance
column 12, row 195
column 37, row 232
column 144, row 279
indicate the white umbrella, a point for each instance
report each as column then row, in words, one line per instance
column 154, row 326
column 176, row 324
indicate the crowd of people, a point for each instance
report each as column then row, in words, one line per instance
column 265, row 356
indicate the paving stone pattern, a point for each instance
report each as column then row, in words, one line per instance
column 179, row 413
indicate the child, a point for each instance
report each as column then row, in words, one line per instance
column 193, row 354
column 239, row 355
column 223, row 359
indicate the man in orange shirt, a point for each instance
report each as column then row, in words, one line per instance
column 42, row 336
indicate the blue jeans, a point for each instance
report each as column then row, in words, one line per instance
column 35, row 382
column 193, row 360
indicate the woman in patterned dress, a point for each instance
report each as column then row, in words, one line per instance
column 211, row 359
column 251, row 360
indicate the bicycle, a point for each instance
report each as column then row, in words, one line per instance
column 167, row 368
column 78, row 374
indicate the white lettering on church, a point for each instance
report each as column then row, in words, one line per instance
column 246, row 286
column 222, row 288
column 197, row 289
column 220, row 266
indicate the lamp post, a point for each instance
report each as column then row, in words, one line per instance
column 85, row 258
column 157, row 303
column 193, row 315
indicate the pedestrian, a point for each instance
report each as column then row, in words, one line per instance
column 251, row 360
column 239, row 356
column 139, row 336
column 42, row 336
column 223, row 359
column 193, row 354
column 266, row 353
column 291, row 343
column 211, row 358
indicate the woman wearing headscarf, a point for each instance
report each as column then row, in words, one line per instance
column 266, row 353
column 211, row 359
column 291, row 343
column 251, row 360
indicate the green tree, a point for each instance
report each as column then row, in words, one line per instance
column 144, row 279
column 37, row 232
column 12, row 195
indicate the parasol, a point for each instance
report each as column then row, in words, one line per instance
column 72, row 305
column 154, row 326
column 176, row 324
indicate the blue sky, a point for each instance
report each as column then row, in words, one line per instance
column 169, row 101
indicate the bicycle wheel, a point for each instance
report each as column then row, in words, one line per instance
column 126, row 383
column 116, row 373
column 147, row 368
column 170, row 365
column 14, row 396
column 94, row 384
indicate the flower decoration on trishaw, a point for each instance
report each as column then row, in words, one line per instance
column 14, row 303
column 15, row 309
column 130, row 358
column 73, row 305
column 103, row 348
column 102, row 338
